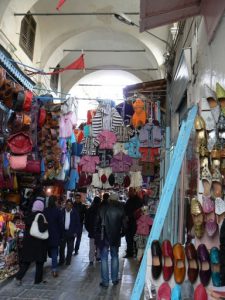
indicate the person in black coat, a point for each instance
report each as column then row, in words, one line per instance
column 90, row 218
column 81, row 209
column 109, row 227
column 34, row 249
column 71, row 227
column 132, row 204
column 55, row 228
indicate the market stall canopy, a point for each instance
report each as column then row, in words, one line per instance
column 157, row 13
column 155, row 89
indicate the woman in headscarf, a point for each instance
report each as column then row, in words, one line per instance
column 34, row 249
column 55, row 228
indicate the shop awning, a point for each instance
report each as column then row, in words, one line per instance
column 13, row 70
column 162, row 12
column 155, row 89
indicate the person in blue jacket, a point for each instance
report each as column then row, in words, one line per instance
column 71, row 227
column 55, row 228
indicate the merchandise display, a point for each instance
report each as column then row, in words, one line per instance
column 188, row 270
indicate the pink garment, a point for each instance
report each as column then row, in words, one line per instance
column 66, row 125
column 143, row 224
column 121, row 163
column 88, row 163
column 106, row 139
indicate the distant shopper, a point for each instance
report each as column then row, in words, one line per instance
column 81, row 209
column 90, row 219
column 71, row 227
column 34, row 249
column 55, row 228
column 132, row 204
column 105, row 199
column 109, row 228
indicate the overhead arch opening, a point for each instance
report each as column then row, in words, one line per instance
column 99, row 86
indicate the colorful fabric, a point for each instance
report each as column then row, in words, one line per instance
column 119, row 147
column 136, row 179
column 150, row 136
column 139, row 116
column 73, row 180
column 149, row 154
column 88, row 163
column 106, row 139
column 105, row 157
column 121, row 163
column 136, row 165
column 66, row 124
column 79, row 135
column 123, row 133
column 96, row 178
column 106, row 118
column 143, row 225
column 89, row 146
column 133, row 147
column 90, row 115
column 126, row 111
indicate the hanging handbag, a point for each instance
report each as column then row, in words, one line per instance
column 20, row 143
column 34, row 230
column 18, row 162
column 27, row 100
column 33, row 166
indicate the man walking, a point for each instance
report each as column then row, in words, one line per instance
column 132, row 204
column 109, row 227
column 81, row 209
column 71, row 223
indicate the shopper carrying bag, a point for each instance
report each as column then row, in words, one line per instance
column 35, row 243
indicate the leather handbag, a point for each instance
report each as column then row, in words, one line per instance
column 20, row 143
column 33, row 166
column 27, row 100
column 18, row 101
column 13, row 198
column 42, row 117
column 2, row 76
column 18, row 162
column 34, row 230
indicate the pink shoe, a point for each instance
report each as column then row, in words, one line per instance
column 164, row 292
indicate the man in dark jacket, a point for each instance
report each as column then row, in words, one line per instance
column 81, row 209
column 71, row 222
column 132, row 204
column 90, row 218
column 109, row 228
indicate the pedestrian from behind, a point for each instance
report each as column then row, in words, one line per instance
column 90, row 219
column 34, row 249
column 55, row 228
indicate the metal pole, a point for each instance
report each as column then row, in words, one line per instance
column 110, row 69
column 102, row 51
column 43, row 14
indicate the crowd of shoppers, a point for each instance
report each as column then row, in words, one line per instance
column 54, row 230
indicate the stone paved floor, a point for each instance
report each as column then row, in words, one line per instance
column 79, row 281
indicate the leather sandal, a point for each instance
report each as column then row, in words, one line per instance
column 198, row 217
column 199, row 123
column 206, row 180
column 217, row 183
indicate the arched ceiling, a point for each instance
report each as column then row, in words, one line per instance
column 57, row 33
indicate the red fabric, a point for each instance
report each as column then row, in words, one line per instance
column 60, row 4
column 90, row 115
column 78, row 64
column 79, row 135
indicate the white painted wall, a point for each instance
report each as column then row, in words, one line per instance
column 208, row 61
